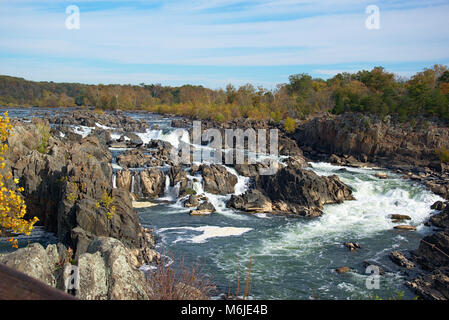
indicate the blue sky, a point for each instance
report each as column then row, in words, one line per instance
column 215, row 42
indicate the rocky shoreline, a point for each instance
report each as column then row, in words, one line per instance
column 69, row 187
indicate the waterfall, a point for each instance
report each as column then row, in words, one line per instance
column 114, row 181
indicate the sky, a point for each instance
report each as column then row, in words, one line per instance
column 216, row 42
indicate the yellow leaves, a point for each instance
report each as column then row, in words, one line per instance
column 12, row 205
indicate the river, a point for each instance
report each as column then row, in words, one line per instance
column 292, row 258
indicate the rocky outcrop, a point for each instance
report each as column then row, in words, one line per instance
column 107, row 270
column 433, row 256
column 149, row 184
column 398, row 258
column 134, row 158
column 433, row 286
column 218, row 180
column 358, row 140
column 90, row 118
column 68, row 186
column 44, row 264
column 302, row 192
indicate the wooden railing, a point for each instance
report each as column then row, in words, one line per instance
column 15, row 285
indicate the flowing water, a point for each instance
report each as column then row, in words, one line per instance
column 294, row 258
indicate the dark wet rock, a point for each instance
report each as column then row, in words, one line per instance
column 441, row 219
column 251, row 201
column 400, row 217
column 378, row 267
column 438, row 205
column 352, row 246
column 192, row 201
column 294, row 186
column 433, row 286
column 398, row 258
column 433, row 251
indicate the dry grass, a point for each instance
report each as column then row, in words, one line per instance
column 174, row 280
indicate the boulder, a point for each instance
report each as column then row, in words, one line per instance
column 303, row 188
column 398, row 258
column 405, row 228
column 251, row 201
column 108, row 271
column 204, row 208
column 151, row 184
column 342, row 270
column 217, row 179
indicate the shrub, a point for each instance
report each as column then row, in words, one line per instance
column 44, row 136
column 443, row 154
column 12, row 205
column 290, row 125
column 106, row 202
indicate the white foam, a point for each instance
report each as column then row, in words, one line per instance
column 207, row 233
column 174, row 136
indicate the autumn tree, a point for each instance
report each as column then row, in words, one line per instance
column 12, row 205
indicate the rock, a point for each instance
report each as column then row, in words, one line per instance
column 400, row 217
column 381, row 175
column 251, row 201
column 133, row 159
column 203, row 209
column 368, row 263
column 352, row 246
column 134, row 140
column 218, row 180
column 342, row 270
column 405, row 227
column 151, row 184
column 401, row 260
column 292, row 188
column 433, row 286
column 107, row 271
column 124, row 179
column 433, row 251
column 192, row 201
column 438, row 205
column 441, row 219
column 35, row 261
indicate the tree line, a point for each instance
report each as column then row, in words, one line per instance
column 425, row 94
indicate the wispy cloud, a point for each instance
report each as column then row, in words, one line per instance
column 118, row 35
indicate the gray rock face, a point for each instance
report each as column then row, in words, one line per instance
column 108, row 271
column 36, row 262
